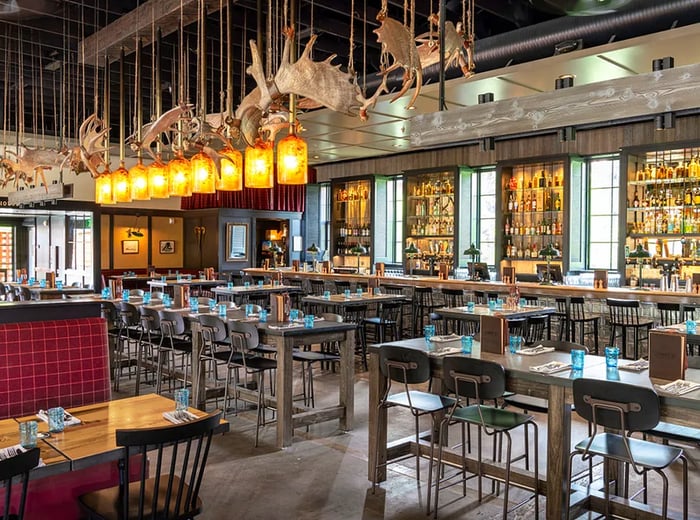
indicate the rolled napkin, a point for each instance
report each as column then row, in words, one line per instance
column 551, row 367
column 446, row 339
column 635, row 366
column 68, row 419
column 679, row 387
column 181, row 417
column 533, row 351
column 286, row 326
column 445, row 351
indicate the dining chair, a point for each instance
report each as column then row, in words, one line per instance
column 455, row 298
column 17, row 466
column 149, row 340
column 386, row 322
column 615, row 410
column 475, row 380
column 127, row 343
column 216, row 345
column 423, row 305
column 170, row 462
column 407, row 367
column 244, row 341
column 578, row 318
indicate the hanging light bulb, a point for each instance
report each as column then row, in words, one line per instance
column 103, row 189
column 292, row 160
column 203, row 174
column 158, row 180
column 180, row 176
column 259, row 165
column 231, row 171
column 138, row 177
column 121, row 187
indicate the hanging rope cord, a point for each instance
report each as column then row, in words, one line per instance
column 351, row 52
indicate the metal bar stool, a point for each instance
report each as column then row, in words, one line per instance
column 624, row 315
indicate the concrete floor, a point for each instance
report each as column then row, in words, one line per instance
column 323, row 476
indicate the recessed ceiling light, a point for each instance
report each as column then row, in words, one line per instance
column 315, row 157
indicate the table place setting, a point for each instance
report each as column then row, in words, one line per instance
column 291, row 325
column 551, row 367
column 678, row 387
column 635, row 366
column 534, row 351
column 57, row 418
column 179, row 416
column 445, row 351
column 446, row 338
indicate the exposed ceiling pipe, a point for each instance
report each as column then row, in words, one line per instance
column 538, row 41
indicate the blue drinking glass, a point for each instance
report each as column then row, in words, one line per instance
column 467, row 344
column 577, row 358
column 611, row 356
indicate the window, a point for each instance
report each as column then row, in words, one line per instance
column 325, row 220
column 485, row 214
column 395, row 215
column 603, row 203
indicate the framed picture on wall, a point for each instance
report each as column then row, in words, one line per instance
column 166, row 247
column 130, row 247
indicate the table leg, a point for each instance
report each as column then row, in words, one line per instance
column 558, row 446
column 376, row 436
column 285, row 429
column 347, row 380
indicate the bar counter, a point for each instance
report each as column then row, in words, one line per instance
column 529, row 288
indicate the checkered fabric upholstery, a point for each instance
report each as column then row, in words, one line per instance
column 53, row 363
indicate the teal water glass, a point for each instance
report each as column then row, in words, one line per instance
column 246, row 285
column 611, row 356
column 222, row 310
column 163, row 278
column 28, row 431
column 359, row 292
column 59, row 285
column 263, row 316
column 470, row 306
column 327, row 295
column 577, row 359
column 309, row 321
column 182, row 399
column 522, row 302
column 194, row 304
column 499, row 303
column 293, row 314
column 260, row 283
column 248, row 309
column 212, row 304
column 147, row 297
column 492, row 305
column 229, row 285
column 42, row 284
column 691, row 327
column 467, row 344
column 429, row 332
column 514, row 344
column 56, row 419
column 125, row 295
column 347, row 294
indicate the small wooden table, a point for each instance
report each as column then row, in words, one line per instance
column 239, row 293
column 94, row 440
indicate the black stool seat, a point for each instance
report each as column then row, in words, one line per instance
column 676, row 432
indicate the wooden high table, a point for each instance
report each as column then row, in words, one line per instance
column 556, row 388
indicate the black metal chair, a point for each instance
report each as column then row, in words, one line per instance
column 423, row 305
column 455, row 298
column 176, row 473
column 387, row 321
column 408, row 367
column 587, row 325
column 478, row 380
column 624, row 315
column 18, row 466
column 619, row 409
column 535, row 329
column 356, row 314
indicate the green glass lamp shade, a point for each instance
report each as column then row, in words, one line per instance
column 312, row 249
column 549, row 251
column 472, row 251
column 639, row 252
column 411, row 249
column 358, row 250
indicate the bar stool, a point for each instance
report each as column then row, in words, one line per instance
column 128, row 339
column 455, row 298
column 476, row 380
column 618, row 409
column 386, row 321
column 406, row 311
column 423, row 305
column 341, row 286
column 561, row 316
column 408, row 366
column 624, row 315
column 670, row 313
column 356, row 314
column 175, row 341
column 534, row 329
column 577, row 316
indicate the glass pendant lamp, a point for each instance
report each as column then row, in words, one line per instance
column 231, row 172
column 259, row 165
column 121, row 187
column 138, row 178
column 292, row 160
column 158, row 180
column 103, row 189
column 203, row 174
column 180, row 176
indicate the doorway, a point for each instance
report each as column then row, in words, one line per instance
column 272, row 242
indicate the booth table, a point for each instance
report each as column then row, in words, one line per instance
column 556, row 388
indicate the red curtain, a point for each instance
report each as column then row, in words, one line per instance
column 281, row 197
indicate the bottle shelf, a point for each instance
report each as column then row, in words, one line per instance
column 530, row 259
column 534, row 235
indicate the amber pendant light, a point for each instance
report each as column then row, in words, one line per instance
column 103, row 183
column 138, row 174
column 203, row 173
column 259, row 165
column 121, row 188
column 231, row 170
column 158, row 186
column 179, row 176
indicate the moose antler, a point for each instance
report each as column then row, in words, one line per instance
column 150, row 132
column 91, row 147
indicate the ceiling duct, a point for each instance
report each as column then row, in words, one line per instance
column 540, row 40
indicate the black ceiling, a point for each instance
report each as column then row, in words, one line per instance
column 42, row 42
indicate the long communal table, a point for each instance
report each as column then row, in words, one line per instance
column 556, row 388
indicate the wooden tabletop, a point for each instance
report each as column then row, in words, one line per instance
column 94, row 440
column 54, row 460
column 463, row 313
column 354, row 299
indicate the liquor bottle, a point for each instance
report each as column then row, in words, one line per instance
column 635, row 201
column 688, row 198
column 533, row 205
column 542, row 182
column 510, row 202
column 507, row 229
column 515, row 203
column 696, row 196
column 557, row 203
